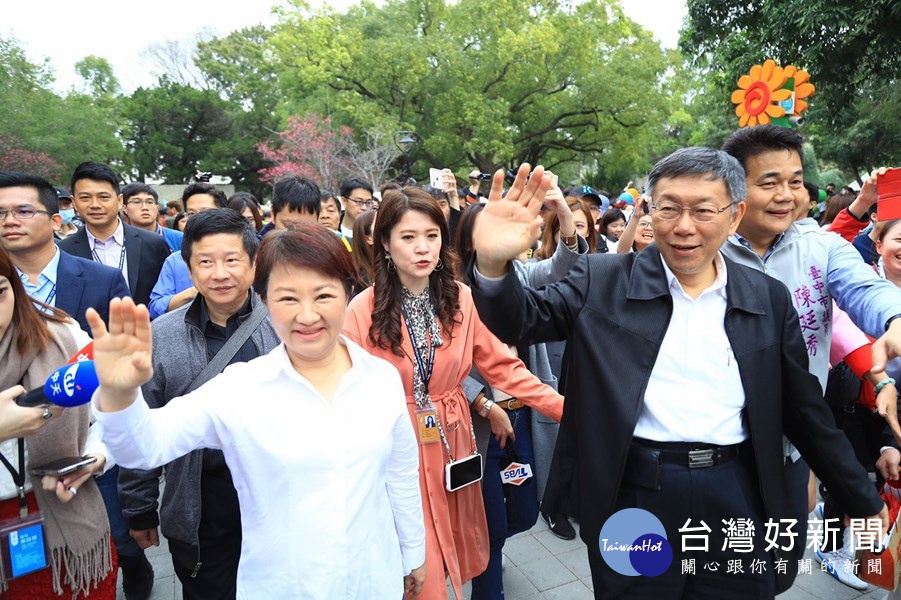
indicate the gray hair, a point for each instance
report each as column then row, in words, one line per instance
column 696, row 160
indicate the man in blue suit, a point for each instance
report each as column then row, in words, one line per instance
column 67, row 282
column 139, row 254
column 29, row 214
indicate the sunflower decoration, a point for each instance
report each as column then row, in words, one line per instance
column 759, row 93
column 772, row 94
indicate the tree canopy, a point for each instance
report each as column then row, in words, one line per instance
column 849, row 48
column 485, row 84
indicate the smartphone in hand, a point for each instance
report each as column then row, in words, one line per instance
column 63, row 466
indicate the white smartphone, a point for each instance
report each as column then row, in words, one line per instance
column 461, row 473
column 435, row 179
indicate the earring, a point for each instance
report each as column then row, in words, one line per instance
column 389, row 264
column 439, row 265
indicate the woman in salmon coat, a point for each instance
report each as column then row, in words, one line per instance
column 424, row 322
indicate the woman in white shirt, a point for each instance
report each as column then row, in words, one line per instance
column 315, row 433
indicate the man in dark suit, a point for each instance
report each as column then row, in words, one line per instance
column 106, row 239
column 70, row 283
column 716, row 372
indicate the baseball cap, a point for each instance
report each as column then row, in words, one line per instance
column 62, row 192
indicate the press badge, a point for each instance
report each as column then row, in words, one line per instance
column 23, row 545
column 427, row 422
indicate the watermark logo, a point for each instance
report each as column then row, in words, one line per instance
column 633, row 542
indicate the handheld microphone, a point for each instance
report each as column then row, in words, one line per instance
column 70, row 385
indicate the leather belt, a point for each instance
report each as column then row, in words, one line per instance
column 694, row 455
column 511, row 404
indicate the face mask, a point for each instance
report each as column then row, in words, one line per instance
column 67, row 215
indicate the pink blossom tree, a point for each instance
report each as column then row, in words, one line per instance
column 309, row 147
column 15, row 157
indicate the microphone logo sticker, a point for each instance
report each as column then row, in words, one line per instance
column 69, row 380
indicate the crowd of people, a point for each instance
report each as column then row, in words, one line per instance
column 364, row 393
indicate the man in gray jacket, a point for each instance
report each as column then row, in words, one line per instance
column 200, row 514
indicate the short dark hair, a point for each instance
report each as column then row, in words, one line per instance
column 176, row 204
column 813, row 192
column 354, row 184
column 138, row 187
column 611, row 216
column 46, row 193
column 748, row 142
column 298, row 194
column 95, row 171
column 199, row 187
column 306, row 246
column 218, row 220
column 713, row 165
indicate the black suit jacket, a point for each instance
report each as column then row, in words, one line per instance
column 83, row 284
column 145, row 253
column 625, row 301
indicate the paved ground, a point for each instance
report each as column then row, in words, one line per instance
column 541, row 566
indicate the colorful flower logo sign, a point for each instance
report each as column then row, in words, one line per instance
column 771, row 94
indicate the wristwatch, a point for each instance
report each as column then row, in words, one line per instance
column 486, row 408
column 571, row 241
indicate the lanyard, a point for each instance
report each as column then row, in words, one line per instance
column 18, row 477
column 121, row 257
column 51, row 296
column 425, row 372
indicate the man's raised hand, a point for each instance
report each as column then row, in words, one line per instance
column 507, row 226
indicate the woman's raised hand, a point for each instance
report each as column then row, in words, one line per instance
column 122, row 352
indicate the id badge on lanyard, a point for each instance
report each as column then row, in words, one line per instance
column 23, row 547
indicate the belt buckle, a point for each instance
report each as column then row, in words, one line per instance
column 514, row 403
column 699, row 459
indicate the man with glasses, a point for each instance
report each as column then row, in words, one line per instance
column 357, row 197
column 691, row 432
column 28, row 217
column 142, row 207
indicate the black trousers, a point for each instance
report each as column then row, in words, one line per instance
column 864, row 430
column 216, row 579
column 725, row 491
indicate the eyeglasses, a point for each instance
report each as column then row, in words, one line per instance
column 139, row 202
column 701, row 213
column 362, row 203
column 21, row 213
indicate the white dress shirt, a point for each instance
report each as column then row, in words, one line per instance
column 329, row 491
column 695, row 392
column 45, row 288
column 111, row 251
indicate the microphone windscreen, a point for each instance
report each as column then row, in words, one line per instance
column 72, row 385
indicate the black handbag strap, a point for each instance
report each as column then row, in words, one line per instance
column 230, row 348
